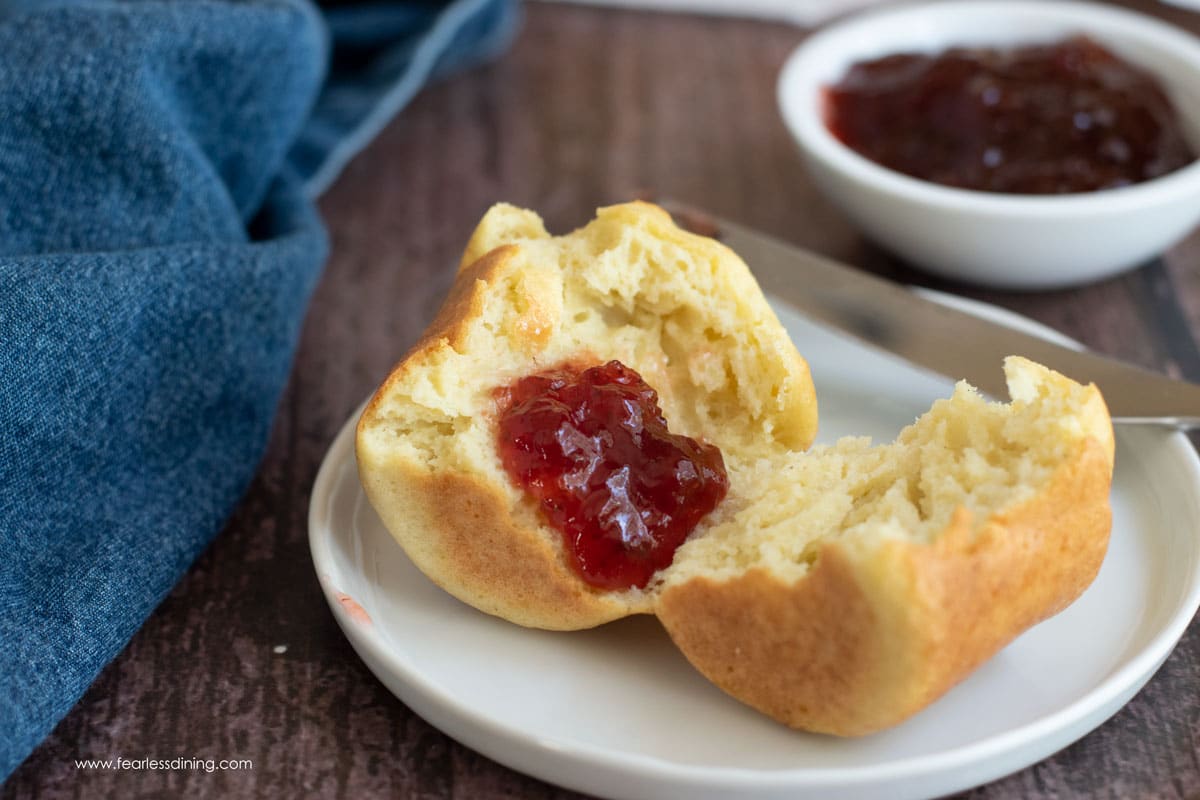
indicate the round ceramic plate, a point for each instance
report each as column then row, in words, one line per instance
column 618, row 712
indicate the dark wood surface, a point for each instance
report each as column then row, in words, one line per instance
column 589, row 107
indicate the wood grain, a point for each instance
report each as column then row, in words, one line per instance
column 589, row 107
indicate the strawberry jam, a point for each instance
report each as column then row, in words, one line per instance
column 592, row 446
column 1051, row 118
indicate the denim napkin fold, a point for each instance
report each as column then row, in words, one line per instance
column 158, row 244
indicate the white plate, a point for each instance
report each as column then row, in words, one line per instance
column 618, row 712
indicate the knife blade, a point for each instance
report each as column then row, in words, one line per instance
column 892, row 317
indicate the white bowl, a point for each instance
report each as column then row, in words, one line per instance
column 1003, row 240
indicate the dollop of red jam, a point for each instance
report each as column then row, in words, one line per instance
column 592, row 446
column 1045, row 119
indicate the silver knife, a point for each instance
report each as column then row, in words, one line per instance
column 947, row 341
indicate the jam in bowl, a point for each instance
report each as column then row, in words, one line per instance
column 1067, row 116
column 991, row 194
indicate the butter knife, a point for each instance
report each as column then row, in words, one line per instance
column 945, row 340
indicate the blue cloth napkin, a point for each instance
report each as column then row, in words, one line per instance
column 158, row 244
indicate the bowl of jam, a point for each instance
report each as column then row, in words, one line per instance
column 1022, row 144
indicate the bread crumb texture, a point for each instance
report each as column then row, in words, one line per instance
column 966, row 453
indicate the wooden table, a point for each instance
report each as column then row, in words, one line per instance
column 589, row 107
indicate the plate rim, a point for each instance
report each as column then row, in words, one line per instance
column 488, row 736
